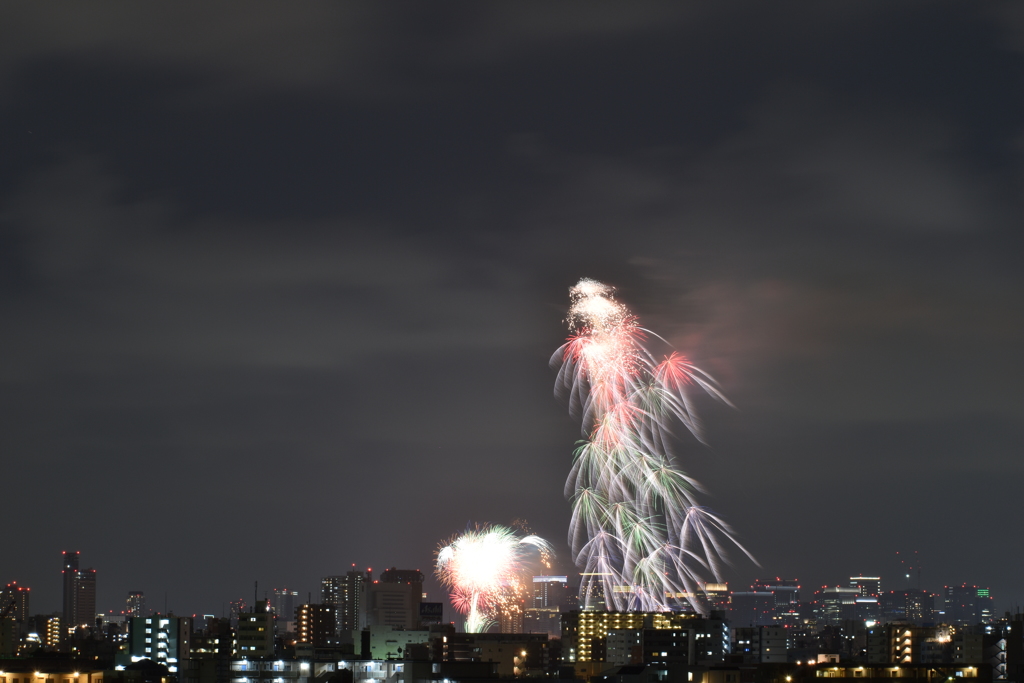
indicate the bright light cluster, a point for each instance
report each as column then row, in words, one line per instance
column 486, row 568
column 636, row 531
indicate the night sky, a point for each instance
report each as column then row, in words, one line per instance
column 279, row 283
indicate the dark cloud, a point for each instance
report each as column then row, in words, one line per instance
column 288, row 282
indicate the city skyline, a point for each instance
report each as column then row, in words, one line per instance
column 327, row 592
column 279, row 295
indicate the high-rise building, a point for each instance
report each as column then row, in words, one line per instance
column 395, row 599
column 968, row 605
column 345, row 594
column 912, row 605
column 551, row 595
column 79, row 594
column 836, row 604
column 69, row 575
column 550, row 591
column 282, row 604
column 14, row 601
column 85, row 598
column 135, row 605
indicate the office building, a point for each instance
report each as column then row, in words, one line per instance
column 912, row 605
column 968, row 605
column 592, row 588
column 550, row 591
column 836, row 604
column 282, row 604
column 395, row 599
column 717, row 596
column 869, row 586
column 542, row 613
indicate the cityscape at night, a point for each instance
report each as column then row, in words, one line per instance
column 458, row 342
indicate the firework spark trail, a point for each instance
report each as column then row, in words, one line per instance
column 485, row 568
column 636, row 530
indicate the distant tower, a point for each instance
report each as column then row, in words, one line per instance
column 237, row 607
column 869, row 586
column 968, row 605
column 282, row 603
column 69, row 576
column 135, row 605
column 79, row 595
column 15, row 595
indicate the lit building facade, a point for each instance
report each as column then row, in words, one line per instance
column 387, row 642
column 162, row 638
column 761, row 644
column 836, row 604
column 345, row 593
column 255, row 633
column 550, row 596
column 585, row 633
column 314, row 625
column 912, row 605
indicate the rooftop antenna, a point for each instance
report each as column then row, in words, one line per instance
column 255, row 594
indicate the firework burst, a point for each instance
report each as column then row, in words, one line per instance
column 485, row 568
column 636, row 530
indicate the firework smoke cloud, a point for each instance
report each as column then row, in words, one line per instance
column 486, row 569
column 636, row 530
